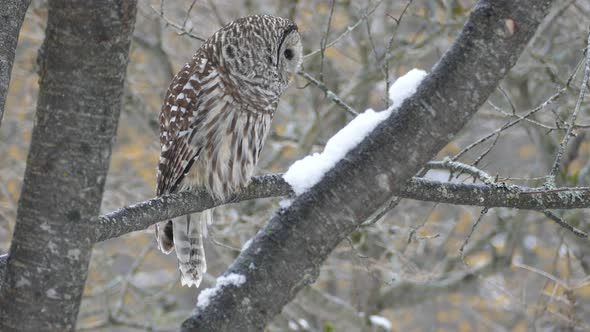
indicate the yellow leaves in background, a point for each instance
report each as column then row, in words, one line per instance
column 13, row 188
column 16, row 153
column 450, row 149
column 464, row 223
column 136, row 153
column 448, row 316
column 478, row 259
column 527, row 151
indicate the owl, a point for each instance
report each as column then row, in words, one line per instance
column 216, row 115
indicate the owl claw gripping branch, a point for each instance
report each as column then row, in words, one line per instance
column 215, row 119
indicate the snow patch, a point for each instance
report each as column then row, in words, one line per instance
column 303, row 323
column 405, row 87
column 380, row 321
column 307, row 172
column 285, row 203
column 247, row 244
column 293, row 326
column 232, row 279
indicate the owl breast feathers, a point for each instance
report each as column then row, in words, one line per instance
column 216, row 116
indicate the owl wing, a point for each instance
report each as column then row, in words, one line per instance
column 181, row 117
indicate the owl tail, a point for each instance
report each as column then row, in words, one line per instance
column 188, row 242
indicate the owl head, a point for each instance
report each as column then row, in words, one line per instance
column 259, row 53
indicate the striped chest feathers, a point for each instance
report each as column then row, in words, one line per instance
column 234, row 135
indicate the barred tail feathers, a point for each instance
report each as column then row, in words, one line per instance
column 188, row 242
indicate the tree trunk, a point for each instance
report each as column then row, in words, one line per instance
column 83, row 64
column 12, row 14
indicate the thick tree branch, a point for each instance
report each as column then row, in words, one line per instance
column 287, row 254
column 11, row 19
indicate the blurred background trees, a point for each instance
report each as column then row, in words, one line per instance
column 519, row 270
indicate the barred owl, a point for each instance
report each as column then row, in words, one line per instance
column 215, row 119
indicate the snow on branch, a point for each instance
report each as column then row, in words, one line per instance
column 305, row 173
column 231, row 279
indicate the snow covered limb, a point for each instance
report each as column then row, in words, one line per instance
column 287, row 254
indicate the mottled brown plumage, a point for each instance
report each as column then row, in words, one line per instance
column 215, row 119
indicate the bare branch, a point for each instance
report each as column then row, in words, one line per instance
column 564, row 224
column 329, row 94
column 180, row 29
column 550, row 183
column 475, row 224
column 345, row 32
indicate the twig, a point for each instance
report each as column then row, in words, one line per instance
column 386, row 57
column 487, row 151
column 455, row 166
column 329, row 94
column 346, row 32
column 542, row 106
column 390, row 206
column 550, row 183
column 127, row 279
column 181, row 30
column 213, row 6
column 565, row 225
column 325, row 40
column 188, row 13
column 510, row 124
column 507, row 97
column 481, row 214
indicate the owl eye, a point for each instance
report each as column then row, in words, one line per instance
column 289, row 54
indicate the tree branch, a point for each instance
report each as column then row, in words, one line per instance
column 141, row 215
column 144, row 214
column 286, row 255
column 11, row 20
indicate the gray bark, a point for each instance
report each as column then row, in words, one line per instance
column 12, row 15
column 287, row 254
column 83, row 66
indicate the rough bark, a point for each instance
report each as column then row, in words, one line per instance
column 83, row 66
column 12, row 15
column 287, row 254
